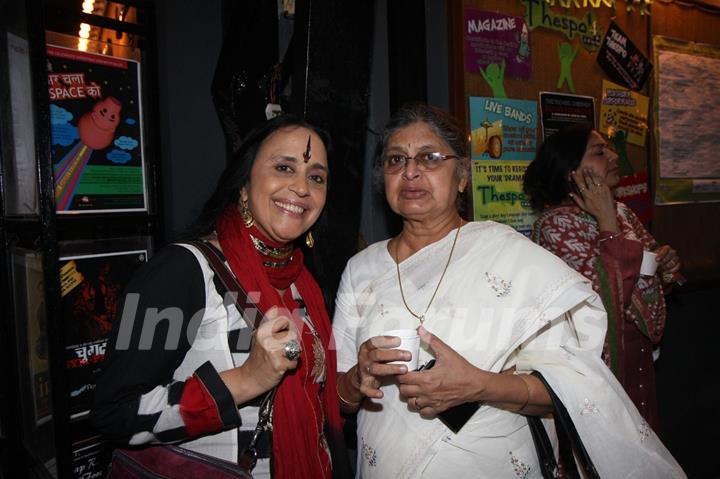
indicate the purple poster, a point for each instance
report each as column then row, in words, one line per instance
column 496, row 38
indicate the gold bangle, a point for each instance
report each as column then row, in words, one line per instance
column 527, row 389
column 337, row 390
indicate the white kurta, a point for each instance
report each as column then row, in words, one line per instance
column 503, row 302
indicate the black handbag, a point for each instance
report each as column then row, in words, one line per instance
column 567, row 433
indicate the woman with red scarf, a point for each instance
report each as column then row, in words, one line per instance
column 183, row 366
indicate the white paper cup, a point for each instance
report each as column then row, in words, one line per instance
column 649, row 264
column 409, row 341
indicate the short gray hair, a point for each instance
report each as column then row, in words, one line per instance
column 441, row 123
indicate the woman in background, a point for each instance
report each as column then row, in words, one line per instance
column 570, row 183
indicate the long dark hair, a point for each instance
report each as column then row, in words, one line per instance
column 237, row 172
column 547, row 177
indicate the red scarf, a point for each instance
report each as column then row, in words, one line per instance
column 296, row 437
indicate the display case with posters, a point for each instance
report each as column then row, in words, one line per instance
column 79, row 214
column 97, row 134
column 93, row 275
column 92, row 278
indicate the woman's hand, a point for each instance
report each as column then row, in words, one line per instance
column 596, row 198
column 452, row 381
column 668, row 260
column 267, row 364
column 372, row 367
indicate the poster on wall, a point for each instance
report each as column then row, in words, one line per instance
column 558, row 110
column 623, row 110
column 502, row 128
column 687, row 121
column 622, row 61
column 32, row 329
column 21, row 195
column 494, row 38
column 96, row 126
column 88, row 461
column 633, row 190
column 90, row 456
column 503, row 140
column 91, row 286
column 538, row 14
column 498, row 194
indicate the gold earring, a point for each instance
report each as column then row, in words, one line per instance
column 247, row 217
column 309, row 240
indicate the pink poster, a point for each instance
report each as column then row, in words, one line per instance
column 496, row 38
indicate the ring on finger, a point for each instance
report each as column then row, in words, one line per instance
column 367, row 369
column 292, row 350
column 581, row 189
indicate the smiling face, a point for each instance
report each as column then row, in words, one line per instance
column 417, row 194
column 285, row 194
column 600, row 158
column 106, row 114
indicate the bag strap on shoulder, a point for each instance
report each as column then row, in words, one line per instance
column 247, row 457
column 243, row 303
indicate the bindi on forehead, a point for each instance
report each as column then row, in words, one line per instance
column 307, row 153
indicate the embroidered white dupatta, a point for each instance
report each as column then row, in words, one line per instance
column 503, row 301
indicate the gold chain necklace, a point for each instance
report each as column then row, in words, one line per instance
column 421, row 317
column 283, row 252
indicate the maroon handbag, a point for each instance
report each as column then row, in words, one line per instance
column 170, row 462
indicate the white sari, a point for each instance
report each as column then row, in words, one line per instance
column 504, row 302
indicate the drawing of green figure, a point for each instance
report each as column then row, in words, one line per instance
column 567, row 55
column 619, row 140
column 524, row 47
column 493, row 75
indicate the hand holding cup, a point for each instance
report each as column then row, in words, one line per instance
column 378, row 357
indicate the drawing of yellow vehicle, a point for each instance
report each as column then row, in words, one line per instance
column 487, row 139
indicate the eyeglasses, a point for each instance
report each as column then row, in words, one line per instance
column 428, row 161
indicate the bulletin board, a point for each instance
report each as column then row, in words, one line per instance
column 683, row 226
column 587, row 75
column 529, row 40
column 687, row 121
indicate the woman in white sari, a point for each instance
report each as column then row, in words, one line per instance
column 490, row 307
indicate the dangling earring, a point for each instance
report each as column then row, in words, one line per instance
column 247, row 217
column 309, row 240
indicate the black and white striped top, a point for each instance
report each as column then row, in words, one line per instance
column 159, row 355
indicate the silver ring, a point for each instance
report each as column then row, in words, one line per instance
column 581, row 189
column 292, row 350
